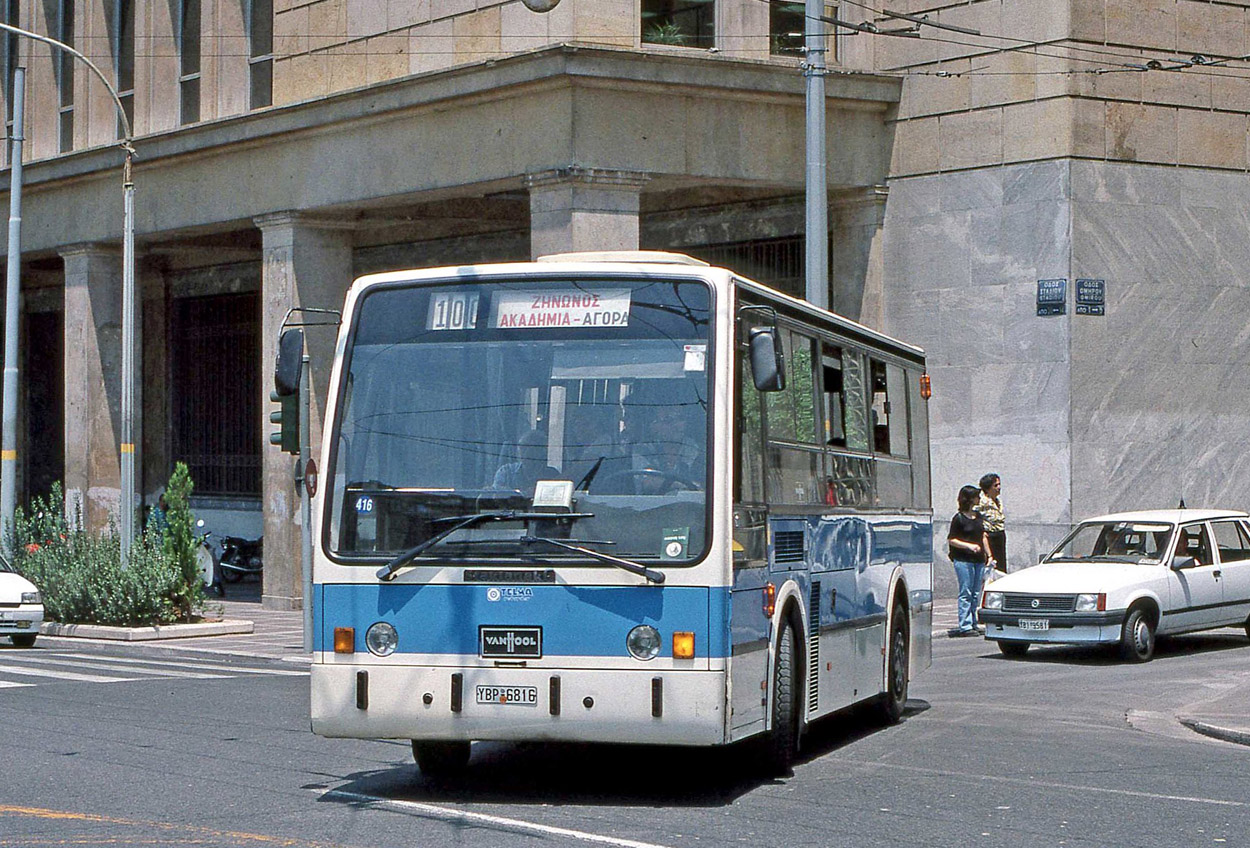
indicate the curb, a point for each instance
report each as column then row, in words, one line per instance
column 147, row 634
column 1224, row 734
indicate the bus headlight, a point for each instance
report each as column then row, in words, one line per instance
column 992, row 601
column 643, row 642
column 381, row 639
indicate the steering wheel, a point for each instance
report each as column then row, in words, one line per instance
column 665, row 480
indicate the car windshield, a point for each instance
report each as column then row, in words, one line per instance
column 478, row 396
column 1115, row 541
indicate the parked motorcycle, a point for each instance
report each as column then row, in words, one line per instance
column 206, row 559
column 241, row 557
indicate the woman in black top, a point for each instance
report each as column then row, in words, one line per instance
column 969, row 549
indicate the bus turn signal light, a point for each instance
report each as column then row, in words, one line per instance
column 344, row 640
column 770, row 599
column 683, row 645
column 926, row 387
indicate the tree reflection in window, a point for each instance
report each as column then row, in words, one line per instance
column 683, row 23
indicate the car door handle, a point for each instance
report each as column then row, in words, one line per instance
column 1217, row 573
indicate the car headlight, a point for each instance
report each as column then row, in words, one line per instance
column 993, row 601
column 31, row 598
column 381, row 639
column 1091, row 602
column 643, row 642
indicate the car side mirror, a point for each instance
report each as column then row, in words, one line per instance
column 1183, row 562
column 1041, row 558
column 768, row 360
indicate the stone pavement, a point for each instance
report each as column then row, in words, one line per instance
column 278, row 635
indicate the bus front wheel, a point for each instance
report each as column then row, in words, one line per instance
column 783, row 740
column 440, row 759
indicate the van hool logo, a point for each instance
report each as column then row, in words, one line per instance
column 511, row 641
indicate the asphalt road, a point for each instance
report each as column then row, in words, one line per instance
column 1063, row 748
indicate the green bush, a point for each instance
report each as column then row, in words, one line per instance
column 81, row 576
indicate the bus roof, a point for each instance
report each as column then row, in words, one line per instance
column 638, row 262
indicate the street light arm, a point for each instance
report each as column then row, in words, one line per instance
column 117, row 101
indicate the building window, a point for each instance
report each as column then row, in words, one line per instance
column 189, row 61
column 684, row 23
column 65, row 75
column 9, row 44
column 215, row 392
column 260, row 61
column 123, row 32
column 785, row 28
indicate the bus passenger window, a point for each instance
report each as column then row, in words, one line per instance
column 855, row 412
column 889, row 409
column 792, row 413
column 835, row 402
column 749, row 436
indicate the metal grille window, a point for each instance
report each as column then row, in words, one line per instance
column 215, row 348
column 775, row 262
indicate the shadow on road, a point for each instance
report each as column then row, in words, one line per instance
column 1167, row 647
column 581, row 774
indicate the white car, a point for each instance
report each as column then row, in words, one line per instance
column 1123, row 578
column 21, row 608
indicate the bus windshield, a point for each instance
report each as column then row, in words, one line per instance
column 460, row 398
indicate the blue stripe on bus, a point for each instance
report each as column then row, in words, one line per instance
column 577, row 621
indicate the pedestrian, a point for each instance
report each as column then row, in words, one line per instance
column 969, row 551
column 990, row 506
column 158, row 520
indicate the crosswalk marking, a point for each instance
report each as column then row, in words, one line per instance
column 232, row 669
column 50, row 666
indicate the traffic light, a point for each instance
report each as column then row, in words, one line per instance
column 286, row 416
column 286, row 384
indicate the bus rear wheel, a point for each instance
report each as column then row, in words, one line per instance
column 891, row 702
column 441, row 759
column 783, row 740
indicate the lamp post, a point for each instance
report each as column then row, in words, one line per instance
column 12, row 300
column 816, row 189
column 128, row 448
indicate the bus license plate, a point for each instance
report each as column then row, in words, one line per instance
column 1038, row 624
column 525, row 696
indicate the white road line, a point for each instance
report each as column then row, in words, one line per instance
column 1026, row 781
column 452, row 815
column 61, row 675
column 232, row 669
column 8, row 684
column 150, row 672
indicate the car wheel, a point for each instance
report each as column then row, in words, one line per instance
column 783, row 740
column 23, row 640
column 1137, row 642
column 1014, row 649
column 441, row 759
column 891, row 703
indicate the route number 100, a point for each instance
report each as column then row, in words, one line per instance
column 452, row 311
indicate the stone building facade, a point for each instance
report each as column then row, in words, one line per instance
column 285, row 147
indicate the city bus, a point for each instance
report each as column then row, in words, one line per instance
column 620, row 498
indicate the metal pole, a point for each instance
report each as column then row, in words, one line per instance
column 128, row 515
column 816, row 188
column 305, row 501
column 12, row 309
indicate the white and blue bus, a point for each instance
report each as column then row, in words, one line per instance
column 614, row 498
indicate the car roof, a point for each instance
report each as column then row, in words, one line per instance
column 1170, row 516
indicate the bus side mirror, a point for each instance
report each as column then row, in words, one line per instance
column 768, row 360
column 290, row 356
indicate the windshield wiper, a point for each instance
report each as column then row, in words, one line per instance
column 650, row 574
column 460, row 522
column 584, row 484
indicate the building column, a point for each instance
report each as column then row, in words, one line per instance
column 577, row 209
column 152, row 390
column 93, row 383
column 856, row 262
column 306, row 262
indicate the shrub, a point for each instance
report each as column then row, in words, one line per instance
column 179, row 542
column 81, row 576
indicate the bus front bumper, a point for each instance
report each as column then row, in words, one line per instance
column 683, row 707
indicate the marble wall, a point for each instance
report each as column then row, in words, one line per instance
column 1079, row 414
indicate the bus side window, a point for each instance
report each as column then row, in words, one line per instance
column 792, row 413
column 748, row 435
column 854, row 398
column 889, row 409
column 835, row 400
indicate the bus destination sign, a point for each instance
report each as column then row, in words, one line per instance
column 580, row 308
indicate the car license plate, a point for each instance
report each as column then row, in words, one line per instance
column 1034, row 624
column 525, row 696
